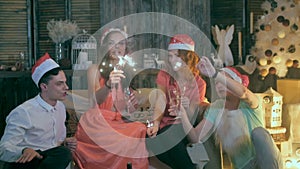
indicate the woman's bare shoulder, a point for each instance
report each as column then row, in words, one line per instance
column 93, row 68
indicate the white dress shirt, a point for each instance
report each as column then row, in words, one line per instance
column 34, row 124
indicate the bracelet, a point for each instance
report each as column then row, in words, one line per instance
column 109, row 87
column 216, row 74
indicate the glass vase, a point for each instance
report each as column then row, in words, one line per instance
column 59, row 52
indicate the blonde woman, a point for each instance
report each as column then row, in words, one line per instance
column 236, row 120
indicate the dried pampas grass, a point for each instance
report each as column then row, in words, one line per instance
column 61, row 31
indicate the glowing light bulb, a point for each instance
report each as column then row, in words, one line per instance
column 276, row 59
column 263, row 72
column 281, row 34
column 263, row 61
column 289, row 63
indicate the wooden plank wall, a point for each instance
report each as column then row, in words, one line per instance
column 86, row 14
column 13, row 30
column 45, row 11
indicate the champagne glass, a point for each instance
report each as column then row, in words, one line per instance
column 127, row 93
column 114, row 90
column 174, row 99
column 175, row 96
column 181, row 95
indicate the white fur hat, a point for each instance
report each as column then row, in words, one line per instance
column 182, row 41
column 42, row 66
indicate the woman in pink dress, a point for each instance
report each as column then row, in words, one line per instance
column 105, row 140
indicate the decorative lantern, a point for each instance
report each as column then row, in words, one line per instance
column 272, row 101
column 84, row 51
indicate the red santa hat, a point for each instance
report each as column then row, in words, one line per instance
column 236, row 75
column 42, row 66
column 182, row 41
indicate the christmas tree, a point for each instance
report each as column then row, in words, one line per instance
column 277, row 36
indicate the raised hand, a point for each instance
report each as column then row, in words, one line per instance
column 153, row 129
column 206, row 68
column 71, row 143
column 185, row 101
column 115, row 76
column 173, row 110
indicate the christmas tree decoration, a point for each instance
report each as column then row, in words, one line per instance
column 273, row 108
column 264, row 72
column 289, row 63
column 223, row 38
column 262, row 61
column 286, row 22
column 291, row 49
column 296, row 1
column 269, row 62
column 268, row 27
column 278, row 25
column 281, row 34
column 262, row 27
column 280, row 19
column 268, row 53
column 276, row 59
column 272, row 102
column 294, row 27
column 275, row 41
